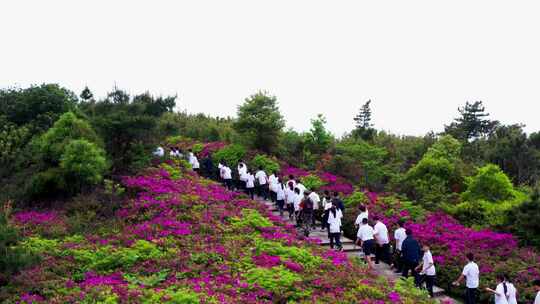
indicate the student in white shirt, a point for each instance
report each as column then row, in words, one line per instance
column 512, row 291
column 160, row 152
column 297, row 201
column 272, row 182
column 291, row 181
column 317, row 212
column 327, row 204
column 365, row 236
column 537, row 288
column 289, row 198
column 471, row 274
column 250, row 184
column 382, row 240
column 172, row 153
column 280, row 195
column 226, row 173
column 363, row 214
column 427, row 270
column 193, row 161
column 399, row 235
column 334, row 221
column 301, row 187
column 262, row 183
column 242, row 175
column 501, row 291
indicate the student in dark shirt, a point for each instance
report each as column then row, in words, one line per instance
column 338, row 202
column 410, row 253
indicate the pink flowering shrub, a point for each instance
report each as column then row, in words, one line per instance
column 183, row 238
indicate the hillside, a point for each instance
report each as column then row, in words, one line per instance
column 185, row 239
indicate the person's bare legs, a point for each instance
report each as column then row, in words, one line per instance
column 369, row 261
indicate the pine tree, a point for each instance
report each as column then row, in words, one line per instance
column 86, row 94
column 364, row 126
column 473, row 122
column 363, row 119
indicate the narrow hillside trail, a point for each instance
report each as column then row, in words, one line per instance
column 381, row 269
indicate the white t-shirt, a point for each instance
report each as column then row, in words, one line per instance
column 297, row 201
column 426, row 261
column 250, row 181
column 500, row 296
column 315, row 199
column 272, row 182
column 242, row 172
column 226, row 172
column 400, row 235
column 537, row 299
column 512, row 293
column 290, row 195
column 381, row 233
column 159, row 152
column 301, row 187
column 280, row 193
column 172, row 153
column 327, row 204
column 365, row 233
column 361, row 217
column 472, row 273
column 261, row 177
column 335, row 221
column 194, row 161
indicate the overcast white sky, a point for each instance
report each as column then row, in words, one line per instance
column 417, row 60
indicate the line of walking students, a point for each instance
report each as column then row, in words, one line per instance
column 303, row 206
column 412, row 259
column 409, row 258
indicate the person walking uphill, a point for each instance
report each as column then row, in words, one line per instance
column 334, row 222
column 383, row 242
column 471, row 273
column 262, row 183
column 410, row 252
column 428, row 272
column 367, row 242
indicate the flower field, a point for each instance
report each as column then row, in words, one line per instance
column 184, row 239
column 449, row 240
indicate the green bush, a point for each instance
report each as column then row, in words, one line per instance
column 262, row 161
column 524, row 220
column 197, row 148
column 277, row 280
column 490, row 184
column 296, row 254
column 355, row 200
column 250, row 218
column 83, row 163
column 53, row 143
column 230, row 155
column 13, row 258
column 312, row 182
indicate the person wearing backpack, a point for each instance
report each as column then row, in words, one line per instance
column 307, row 209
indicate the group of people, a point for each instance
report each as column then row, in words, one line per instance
column 306, row 207
column 410, row 258
column 303, row 206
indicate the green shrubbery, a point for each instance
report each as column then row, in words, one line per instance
column 268, row 164
column 489, row 184
column 229, row 155
column 437, row 175
column 12, row 257
column 312, row 182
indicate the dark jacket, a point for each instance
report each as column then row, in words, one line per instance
column 339, row 203
column 410, row 250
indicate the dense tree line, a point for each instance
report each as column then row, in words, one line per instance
column 55, row 144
